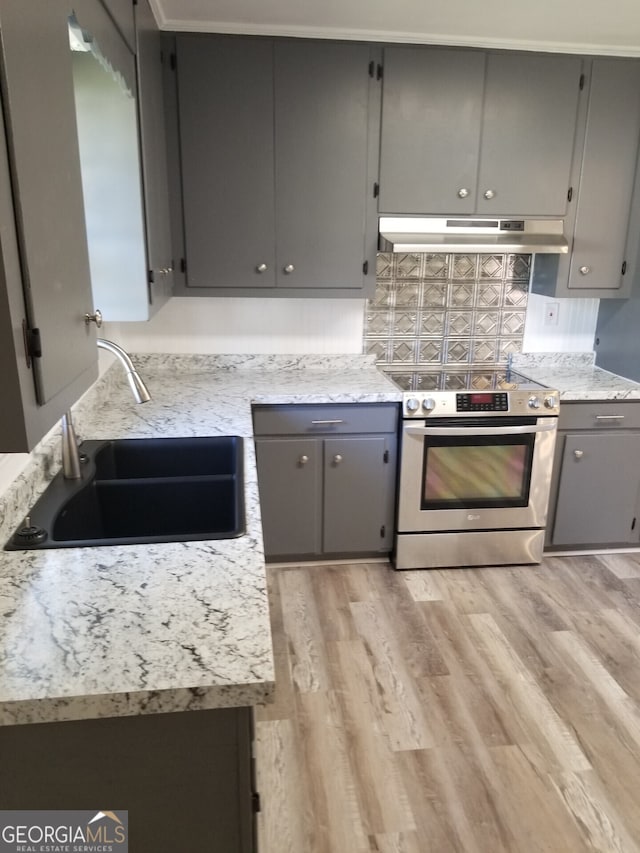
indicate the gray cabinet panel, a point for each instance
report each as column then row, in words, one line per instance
column 598, row 491
column 606, row 185
column 154, row 155
column 528, row 131
column 289, row 472
column 602, row 223
column 356, row 494
column 278, row 154
column 122, row 13
column 40, row 118
column 467, row 123
column 225, row 94
column 185, row 778
column 321, row 128
column 430, row 136
column 332, row 492
column 313, row 419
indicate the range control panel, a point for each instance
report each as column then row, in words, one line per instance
column 485, row 401
column 433, row 404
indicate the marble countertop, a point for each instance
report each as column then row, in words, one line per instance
column 575, row 376
column 123, row 630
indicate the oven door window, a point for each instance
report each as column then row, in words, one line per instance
column 474, row 472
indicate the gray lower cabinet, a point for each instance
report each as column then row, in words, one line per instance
column 186, row 779
column 467, row 131
column 600, row 224
column 327, row 478
column 278, row 148
column 48, row 354
column 596, row 485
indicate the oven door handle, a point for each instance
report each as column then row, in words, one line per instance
column 510, row 430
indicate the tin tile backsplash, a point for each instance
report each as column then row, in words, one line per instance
column 452, row 310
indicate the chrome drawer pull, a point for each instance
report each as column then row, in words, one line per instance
column 609, row 417
column 327, row 422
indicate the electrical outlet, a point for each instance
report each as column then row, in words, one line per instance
column 551, row 311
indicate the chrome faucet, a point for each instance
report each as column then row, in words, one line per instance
column 70, row 456
column 139, row 389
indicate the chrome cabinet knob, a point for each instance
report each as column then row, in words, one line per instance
column 261, row 268
column 489, row 194
column 165, row 271
column 585, row 270
column 96, row 318
column 303, row 460
column 578, row 454
column 289, row 269
column 463, row 192
column 337, row 459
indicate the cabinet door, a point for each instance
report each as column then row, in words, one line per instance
column 430, row 138
column 154, row 156
column 359, row 475
column 39, row 116
column 598, row 493
column 289, row 472
column 225, row 93
column 606, row 182
column 528, row 130
column 321, row 144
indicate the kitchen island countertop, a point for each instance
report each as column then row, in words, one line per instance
column 575, row 376
column 141, row 629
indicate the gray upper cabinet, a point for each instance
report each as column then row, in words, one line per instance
column 44, row 266
column 471, row 132
column 430, row 135
column 153, row 142
column 278, row 148
column 225, row 89
column 605, row 241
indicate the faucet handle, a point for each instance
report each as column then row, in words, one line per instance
column 96, row 318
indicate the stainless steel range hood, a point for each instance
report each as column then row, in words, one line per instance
column 468, row 234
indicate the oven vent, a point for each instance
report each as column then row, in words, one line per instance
column 488, row 236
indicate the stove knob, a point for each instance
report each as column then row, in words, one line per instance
column 534, row 403
column 412, row 404
column 550, row 402
column 428, row 404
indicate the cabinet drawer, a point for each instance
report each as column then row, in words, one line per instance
column 305, row 419
column 598, row 415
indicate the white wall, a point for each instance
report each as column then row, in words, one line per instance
column 241, row 325
column 235, row 325
column 575, row 329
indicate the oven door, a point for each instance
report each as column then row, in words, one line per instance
column 475, row 473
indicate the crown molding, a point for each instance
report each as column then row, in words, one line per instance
column 390, row 36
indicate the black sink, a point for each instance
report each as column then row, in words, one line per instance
column 136, row 491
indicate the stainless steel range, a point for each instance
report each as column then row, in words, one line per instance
column 475, row 470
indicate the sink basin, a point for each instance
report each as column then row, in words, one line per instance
column 137, row 491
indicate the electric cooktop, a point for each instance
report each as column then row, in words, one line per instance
column 490, row 378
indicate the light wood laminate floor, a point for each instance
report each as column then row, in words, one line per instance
column 480, row 710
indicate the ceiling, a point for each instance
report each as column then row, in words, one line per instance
column 572, row 26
